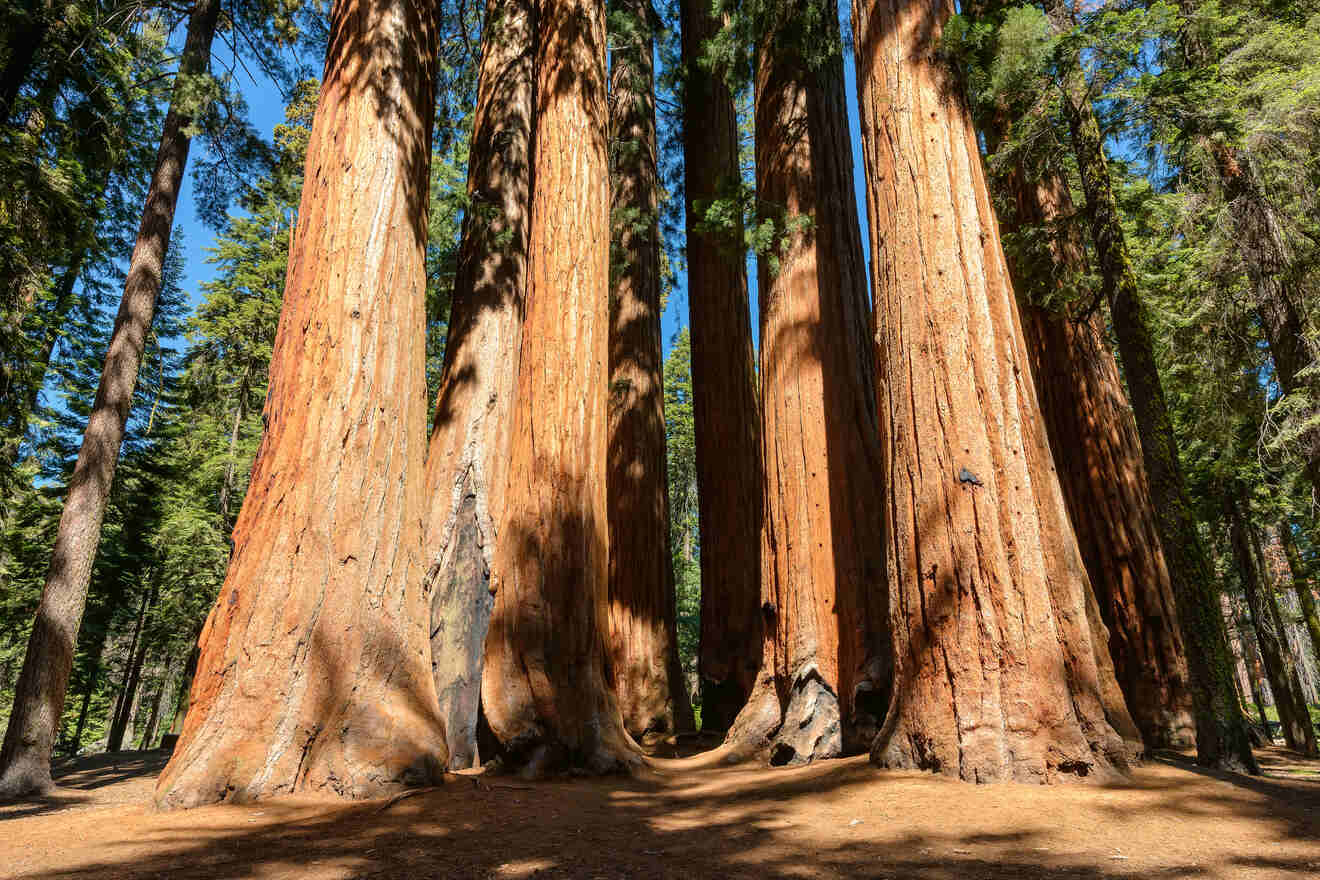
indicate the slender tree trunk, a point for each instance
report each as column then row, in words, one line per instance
column 648, row 682
column 183, row 700
column 39, row 699
column 824, row 672
column 996, row 673
column 1267, row 637
column 469, row 453
column 726, row 412
column 1221, row 735
column 1301, row 585
column 546, row 691
column 1238, row 648
column 231, row 468
column 153, row 716
column 312, row 674
column 1291, row 678
column 128, row 686
column 137, row 657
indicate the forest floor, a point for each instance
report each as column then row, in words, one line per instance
column 831, row 819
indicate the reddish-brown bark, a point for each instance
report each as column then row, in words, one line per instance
column 545, row 688
column 1097, row 453
column 466, row 464
column 39, row 694
column 726, row 412
column 822, row 559
column 643, row 646
column 313, row 668
column 996, row 674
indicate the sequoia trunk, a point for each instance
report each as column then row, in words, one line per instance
column 467, row 461
column 996, row 674
column 39, row 695
column 546, row 691
column 312, row 674
column 726, row 412
column 643, row 643
column 1098, row 457
column 824, row 667
column 1221, row 733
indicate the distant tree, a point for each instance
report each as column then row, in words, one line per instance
column 25, row 758
column 648, row 681
column 726, row 411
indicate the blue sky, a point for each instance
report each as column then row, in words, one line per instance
column 266, row 110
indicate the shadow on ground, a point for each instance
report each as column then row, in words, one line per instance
column 832, row 819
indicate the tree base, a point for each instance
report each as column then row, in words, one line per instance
column 26, row 776
column 547, row 759
column 807, row 726
column 238, row 754
column 1045, row 758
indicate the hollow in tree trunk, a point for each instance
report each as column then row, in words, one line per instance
column 643, row 643
column 824, row 672
column 467, row 461
column 726, row 412
column 546, row 691
column 313, row 671
column 39, row 694
column 996, row 674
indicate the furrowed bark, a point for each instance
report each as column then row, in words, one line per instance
column 546, row 692
column 312, row 674
column 726, row 412
column 824, row 672
column 1221, row 734
column 466, row 467
column 39, row 696
column 1098, row 457
column 996, row 674
column 643, row 646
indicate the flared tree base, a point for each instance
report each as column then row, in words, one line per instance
column 805, row 725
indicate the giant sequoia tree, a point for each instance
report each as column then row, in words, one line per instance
column 1098, row 456
column 727, row 416
column 25, row 757
column 466, row 465
column 643, row 636
column 822, row 565
column 312, row 673
column 1221, row 734
column 995, row 673
column 545, row 689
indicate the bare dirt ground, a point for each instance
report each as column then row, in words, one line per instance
column 832, row 819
